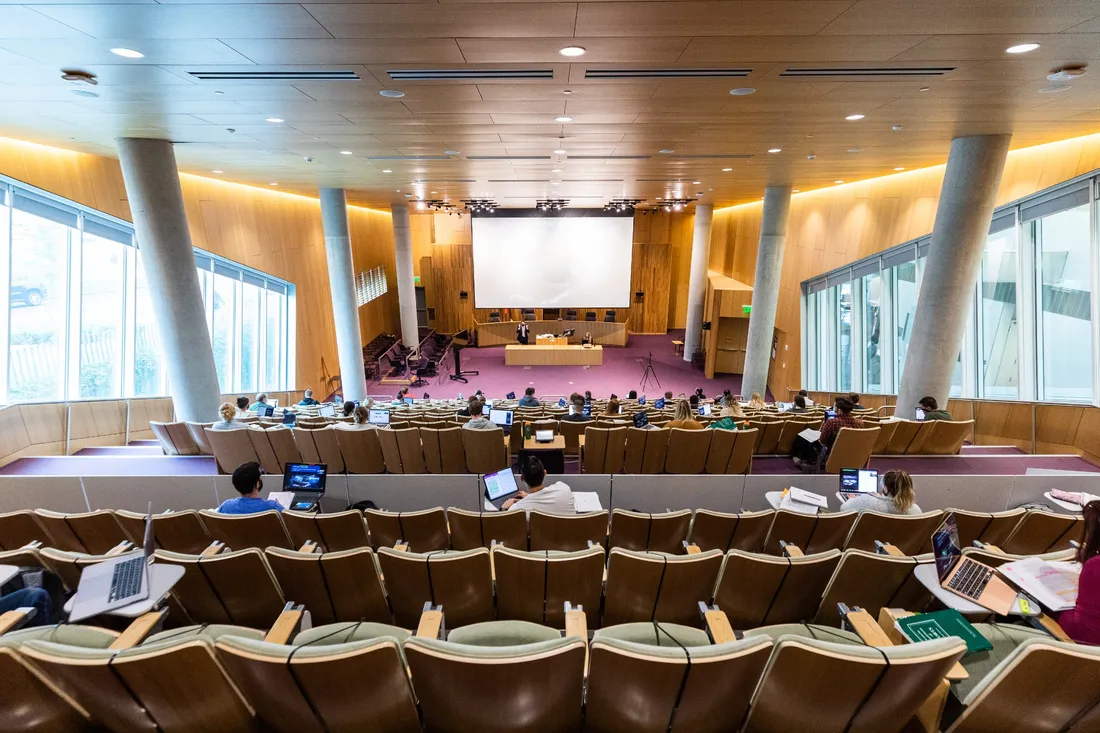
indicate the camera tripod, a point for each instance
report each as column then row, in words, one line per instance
column 649, row 374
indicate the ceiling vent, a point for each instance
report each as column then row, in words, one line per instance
column 467, row 74
column 285, row 75
column 664, row 73
column 868, row 72
column 507, row 157
column 410, row 157
column 609, row 157
column 732, row 156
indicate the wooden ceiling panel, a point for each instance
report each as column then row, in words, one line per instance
column 599, row 50
column 694, row 18
column 796, row 49
column 870, row 17
column 546, row 109
column 473, row 20
column 582, row 91
column 1083, row 46
column 347, row 51
column 185, row 21
column 84, row 51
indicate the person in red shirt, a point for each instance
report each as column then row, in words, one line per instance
column 812, row 454
column 1082, row 622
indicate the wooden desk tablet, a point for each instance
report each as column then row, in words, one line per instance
column 538, row 355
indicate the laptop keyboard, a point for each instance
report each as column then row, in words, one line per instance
column 126, row 580
column 971, row 579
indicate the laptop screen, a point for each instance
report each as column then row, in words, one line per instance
column 660, row 403
column 858, row 481
column 705, row 409
column 326, row 410
column 269, row 411
column 501, row 417
column 378, row 417
column 409, row 400
column 945, row 545
column 561, row 402
column 305, row 477
column 641, row 419
column 500, row 484
column 919, row 414
column 289, row 418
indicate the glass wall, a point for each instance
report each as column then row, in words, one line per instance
column 80, row 323
column 1030, row 334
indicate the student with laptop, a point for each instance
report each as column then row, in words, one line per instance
column 576, row 414
column 360, row 419
column 895, row 496
column 477, row 420
column 931, row 409
column 248, row 483
column 260, row 405
column 1082, row 622
column 528, row 399
column 557, row 498
column 35, row 598
column 307, row 399
column 684, row 417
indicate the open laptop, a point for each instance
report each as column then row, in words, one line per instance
column 641, row 400
column 269, row 411
column 503, row 418
column 965, row 576
column 409, row 400
column 307, row 482
column 855, row 481
column 510, row 396
column 289, row 418
column 115, row 583
column 587, row 412
column 326, row 409
column 500, row 487
column 705, row 409
column 378, row 417
column 919, row 414
column 660, row 403
column 561, row 402
column 640, row 418
column 544, row 436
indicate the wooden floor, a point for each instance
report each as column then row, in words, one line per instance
column 537, row 355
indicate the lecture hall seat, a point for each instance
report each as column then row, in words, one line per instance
column 757, row 590
column 534, row 586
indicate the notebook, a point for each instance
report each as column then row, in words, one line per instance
column 941, row 625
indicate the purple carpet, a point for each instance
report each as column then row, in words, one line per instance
column 130, row 451
column 991, row 450
column 963, row 465
column 620, row 372
column 111, row 466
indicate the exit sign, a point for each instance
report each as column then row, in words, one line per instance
column 746, row 309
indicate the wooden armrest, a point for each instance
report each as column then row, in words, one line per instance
column 139, row 629
column 309, row 546
column 719, row 626
column 576, row 623
column 215, row 548
column 886, row 619
column 872, row 635
column 1049, row 625
column 993, row 548
column 691, row 549
column 401, row 546
column 889, row 549
column 792, row 550
column 580, row 440
column 121, row 547
column 430, row 624
column 14, row 619
column 285, row 626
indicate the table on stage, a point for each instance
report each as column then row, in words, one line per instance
column 549, row 339
column 538, row 355
column 504, row 333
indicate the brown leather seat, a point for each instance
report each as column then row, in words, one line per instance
column 238, row 531
column 176, row 531
column 757, row 590
column 907, row 532
column 341, row 531
column 261, row 443
column 885, row 435
column 22, row 527
column 198, row 434
column 744, row 448
column 571, row 431
column 604, row 450
column 422, row 531
column 920, row 439
column 646, row 586
column 1042, row 531
column 28, row 702
column 444, row 451
column 810, row 532
column 655, row 532
column 747, row 531
column 231, row 448
column 566, row 532
column 174, row 438
column 470, row 530
column 721, row 446
column 328, row 449
column 361, row 450
column 687, row 450
column 461, row 581
column 303, row 441
column 334, row 586
column 851, row 449
column 230, row 588
column 769, row 433
column 97, row 532
column 282, row 442
column 872, row 581
column 534, row 586
column 656, row 450
column 904, row 432
column 486, row 450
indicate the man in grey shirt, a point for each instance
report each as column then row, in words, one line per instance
column 477, row 420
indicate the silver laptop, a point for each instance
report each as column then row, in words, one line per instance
column 115, row 583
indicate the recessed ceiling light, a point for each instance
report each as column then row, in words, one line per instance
column 274, row 119
column 559, row 151
column 555, row 170
column 660, row 199
column 699, row 193
column 696, row 183
column 925, row 89
column 727, row 170
column 838, row 181
column 567, row 91
column 391, row 93
column 554, row 183
column 666, row 151
column 899, row 169
column 775, row 150
column 896, row 128
column 219, row 93
column 563, row 118
column 853, row 118
column 572, row 51
column 386, row 170
column 127, row 53
column 855, row 150
column 1055, row 89
column 346, row 152
column 742, row 91
column 450, row 152
column 433, row 192
column 273, row 183
column 215, row 171
column 1022, row 48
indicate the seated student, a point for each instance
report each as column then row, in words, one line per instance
column 242, row 405
column 248, row 483
column 229, row 418
column 805, row 452
column 854, row 399
column 756, row 402
column 799, row 405
column 632, row 395
column 348, row 408
column 400, row 397
column 726, row 399
column 806, row 396
column 612, row 408
column 478, row 421
column 588, row 395
column 699, row 394
column 932, row 409
column 528, row 399
column 35, row 598
column 307, row 398
column 684, row 417
column 1082, row 622
column 693, row 402
column 260, row 405
column 557, row 498
column 732, row 409
column 360, row 419
column 577, row 413
column 668, row 397
column 895, row 496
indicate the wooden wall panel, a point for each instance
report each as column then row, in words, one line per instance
column 276, row 233
column 832, row 227
column 680, row 236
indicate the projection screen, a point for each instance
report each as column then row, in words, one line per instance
column 552, row 262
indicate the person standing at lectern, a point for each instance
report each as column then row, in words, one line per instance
column 521, row 332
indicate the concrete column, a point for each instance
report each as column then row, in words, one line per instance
column 765, row 289
column 156, row 205
column 341, row 280
column 406, row 284
column 697, row 278
column 965, row 209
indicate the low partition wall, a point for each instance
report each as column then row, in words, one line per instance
column 413, row 492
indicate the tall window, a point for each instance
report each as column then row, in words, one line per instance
column 905, row 309
column 1064, row 268
column 81, row 317
column 871, row 288
column 999, row 367
column 844, row 336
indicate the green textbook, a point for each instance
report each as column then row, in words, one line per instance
column 940, row 625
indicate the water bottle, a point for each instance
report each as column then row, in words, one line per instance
column 526, row 430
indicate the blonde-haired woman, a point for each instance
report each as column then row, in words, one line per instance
column 757, row 402
column 894, row 496
column 228, row 411
column 733, row 410
column 683, row 418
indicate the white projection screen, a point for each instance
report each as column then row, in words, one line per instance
column 536, row 261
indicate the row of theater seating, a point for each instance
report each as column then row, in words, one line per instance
column 1018, row 531
column 509, row 676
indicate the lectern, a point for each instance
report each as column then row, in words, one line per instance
column 458, row 342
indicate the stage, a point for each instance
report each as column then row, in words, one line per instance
column 552, row 355
column 603, row 332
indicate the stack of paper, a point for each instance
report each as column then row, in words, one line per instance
column 1053, row 584
column 810, row 435
column 285, row 498
column 804, row 502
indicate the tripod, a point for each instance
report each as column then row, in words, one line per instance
column 649, row 374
